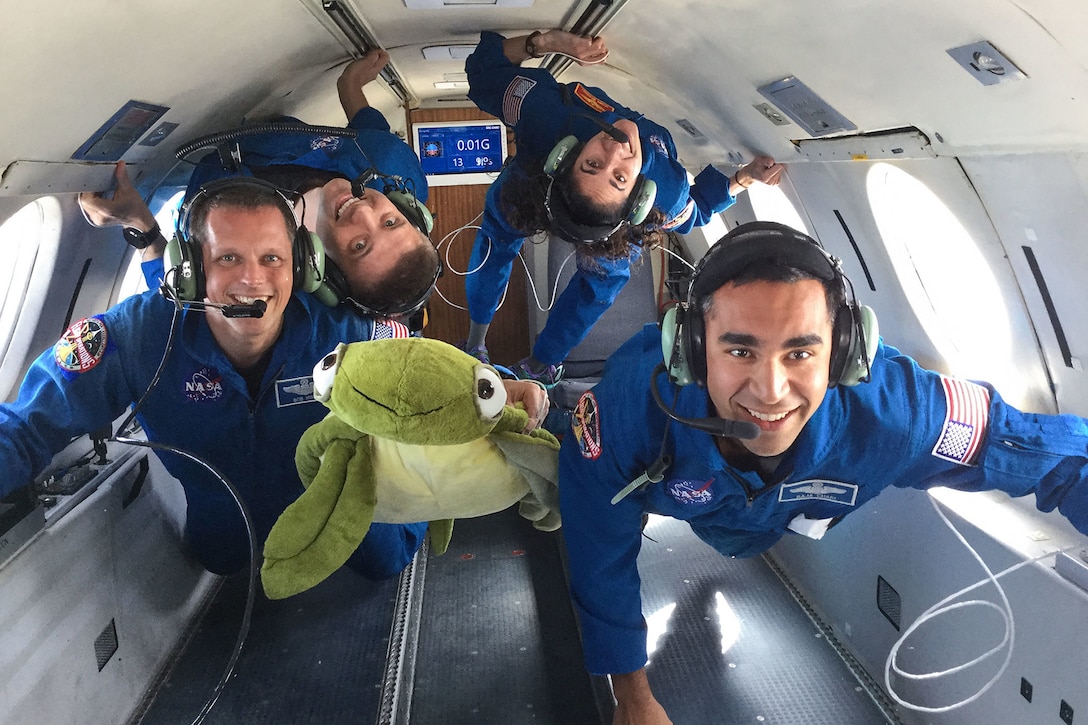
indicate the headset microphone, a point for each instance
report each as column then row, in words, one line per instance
column 254, row 309
column 722, row 427
column 616, row 134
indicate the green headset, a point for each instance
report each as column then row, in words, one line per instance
column 855, row 332
column 558, row 163
column 183, row 261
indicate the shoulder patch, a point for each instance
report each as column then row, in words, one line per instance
column 591, row 100
column 585, row 424
column 965, row 421
column 513, row 97
column 82, row 345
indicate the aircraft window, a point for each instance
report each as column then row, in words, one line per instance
column 770, row 204
column 33, row 228
column 133, row 281
column 930, row 250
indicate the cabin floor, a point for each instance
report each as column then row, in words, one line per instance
column 498, row 643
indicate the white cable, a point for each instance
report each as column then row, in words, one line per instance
column 448, row 241
column 943, row 607
column 663, row 248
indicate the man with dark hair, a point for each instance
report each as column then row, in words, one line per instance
column 798, row 415
column 588, row 170
column 233, row 391
column 378, row 241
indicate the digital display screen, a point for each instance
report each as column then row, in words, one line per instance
column 461, row 148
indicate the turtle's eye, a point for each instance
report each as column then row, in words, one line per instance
column 490, row 393
column 325, row 373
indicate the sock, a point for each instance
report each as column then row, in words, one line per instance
column 476, row 333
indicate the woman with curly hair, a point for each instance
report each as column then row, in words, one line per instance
column 589, row 171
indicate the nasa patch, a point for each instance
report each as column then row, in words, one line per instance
column 82, row 345
column 295, row 391
column 658, row 144
column 204, row 385
column 833, row 491
column 329, row 143
column 690, row 492
column 585, row 424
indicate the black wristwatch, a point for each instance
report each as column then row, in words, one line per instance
column 530, row 46
column 140, row 240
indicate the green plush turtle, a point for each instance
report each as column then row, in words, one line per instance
column 418, row 431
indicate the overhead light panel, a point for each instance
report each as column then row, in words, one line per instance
column 363, row 41
column 438, row 4
column 986, row 63
column 448, row 52
column 807, row 110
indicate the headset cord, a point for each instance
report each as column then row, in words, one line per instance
column 247, row 518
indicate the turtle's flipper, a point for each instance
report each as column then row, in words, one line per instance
column 317, row 533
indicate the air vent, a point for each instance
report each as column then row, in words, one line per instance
column 105, row 645
column 888, row 602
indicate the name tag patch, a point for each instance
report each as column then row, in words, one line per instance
column 833, row 491
column 591, row 100
column 294, row 391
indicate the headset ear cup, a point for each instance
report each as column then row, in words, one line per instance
column 864, row 338
column 309, row 261
column 183, row 266
column 560, row 154
column 673, row 348
column 642, row 200
column 333, row 288
column 416, row 213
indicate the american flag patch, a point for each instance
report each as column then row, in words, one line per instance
column 964, row 423
column 388, row 330
column 511, row 100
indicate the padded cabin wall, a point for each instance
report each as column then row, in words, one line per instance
column 1041, row 201
column 508, row 338
column 899, row 537
column 100, row 563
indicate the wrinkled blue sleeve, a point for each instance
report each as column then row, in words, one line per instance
column 709, row 195
column 529, row 100
column 53, row 407
column 603, row 540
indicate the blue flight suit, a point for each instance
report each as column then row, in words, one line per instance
column 201, row 404
column 374, row 146
column 541, row 111
column 908, row 427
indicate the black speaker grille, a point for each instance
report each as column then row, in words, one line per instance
column 105, row 645
column 888, row 602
